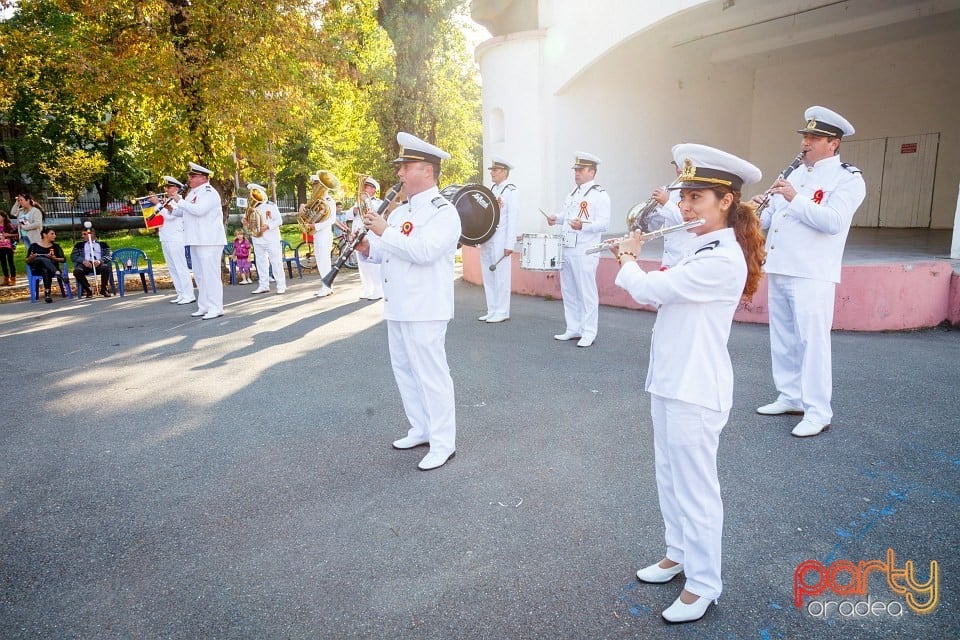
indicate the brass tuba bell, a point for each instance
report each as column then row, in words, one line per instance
column 253, row 223
column 317, row 209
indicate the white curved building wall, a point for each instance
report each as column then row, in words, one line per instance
column 627, row 80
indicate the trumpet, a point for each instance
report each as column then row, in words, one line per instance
column 783, row 174
column 638, row 214
column 650, row 235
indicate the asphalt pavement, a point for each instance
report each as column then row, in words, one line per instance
column 167, row 477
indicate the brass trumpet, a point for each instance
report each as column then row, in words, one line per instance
column 638, row 214
column 650, row 235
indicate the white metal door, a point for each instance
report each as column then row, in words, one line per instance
column 909, row 165
column 868, row 156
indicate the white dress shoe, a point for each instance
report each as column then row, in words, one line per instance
column 281, row 291
column 494, row 319
column 260, row 290
column 323, row 292
column 433, row 460
column 408, row 442
column 198, row 313
column 679, row 611
column 656, row 574
column 778, row 408
column 212, row 315
column 176, row 300
column 484, row 317
column 585, row 342
column 566, row 335
column 807, row 428
column 187, row 301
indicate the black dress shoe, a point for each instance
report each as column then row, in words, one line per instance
column 88, row 294
column 47, row 298
column 105, row 293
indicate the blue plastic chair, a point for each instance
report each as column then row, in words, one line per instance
column 132, row 261
column 290, row 260
column 63, row 280
column 231, row 262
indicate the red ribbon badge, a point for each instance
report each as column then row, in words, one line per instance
column 500, row 202
column 818, row 196
column 406, row 228
column 584, row 214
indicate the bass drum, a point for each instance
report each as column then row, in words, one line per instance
column 478, row 209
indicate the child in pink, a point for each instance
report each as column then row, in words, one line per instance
column 241, row 253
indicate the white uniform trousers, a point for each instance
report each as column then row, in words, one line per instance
column 496, row 284
column 581, row 301
column 370, row 279
column 801, row 316
column 206, row 261
column 269, row 253
column 685, row 438
column 419, row 361
column 176, row 259
column 322, row 246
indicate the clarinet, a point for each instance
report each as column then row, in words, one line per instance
column 393, row 194
column 786, row 172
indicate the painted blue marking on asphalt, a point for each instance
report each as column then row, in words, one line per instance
column 867, row 522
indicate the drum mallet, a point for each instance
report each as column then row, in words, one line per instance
column 493, row 267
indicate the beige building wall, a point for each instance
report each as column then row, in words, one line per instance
column 627, row 80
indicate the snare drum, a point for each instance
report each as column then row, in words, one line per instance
column 541, row 252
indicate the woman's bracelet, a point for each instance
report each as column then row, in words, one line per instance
column 626, row 253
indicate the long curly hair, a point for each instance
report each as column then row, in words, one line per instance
column 742, row 218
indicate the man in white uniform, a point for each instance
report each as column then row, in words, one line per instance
column 807, row 222
column 415, row 248
column 496, row 284
column 202, row 213
column 171, row 241
column 267, row 248
column 323, row 239
column 668, row 215
column 584, row 217
column 371, row 285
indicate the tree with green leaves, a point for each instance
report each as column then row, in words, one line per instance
column 253, row 91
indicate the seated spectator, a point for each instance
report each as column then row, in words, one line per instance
column 8, row 236
column 91, row 256
column 46, row 259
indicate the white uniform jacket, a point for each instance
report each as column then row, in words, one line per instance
column 270, row 217
column 697, row 298
column 202, row 215
column 356, row 220
column 327, row 223
column 508, row 198
column 172, row 228
column 590, row 202
column 416, row 256
column 805, row 237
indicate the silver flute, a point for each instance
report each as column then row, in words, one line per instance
column 652, row 235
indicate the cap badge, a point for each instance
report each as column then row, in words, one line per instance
column 812, row 123
column 689, row 171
